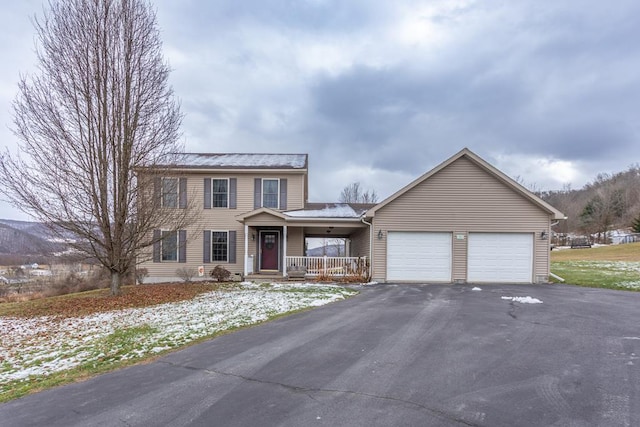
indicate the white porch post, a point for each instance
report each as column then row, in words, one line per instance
column 284, row 251
column 246, row 249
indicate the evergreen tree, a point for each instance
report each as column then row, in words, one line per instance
column 636, row 224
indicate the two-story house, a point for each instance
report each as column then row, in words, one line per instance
column 254, row 215
column 462, row 221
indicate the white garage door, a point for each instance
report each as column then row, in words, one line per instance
column 417, row 256
column 500, row 257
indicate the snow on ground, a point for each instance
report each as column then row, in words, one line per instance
column 523, row 300
column 44, row 345
column 612, row 268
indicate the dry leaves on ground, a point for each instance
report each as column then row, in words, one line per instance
column 101, row 301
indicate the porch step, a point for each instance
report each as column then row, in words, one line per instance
column 263, row 278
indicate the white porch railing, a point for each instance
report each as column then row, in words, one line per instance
column 330, row 266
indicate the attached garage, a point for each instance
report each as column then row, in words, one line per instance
column 500, row 257
column 463, row 221
column 419, row 256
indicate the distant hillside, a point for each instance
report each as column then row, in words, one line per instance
column 26, row 238
column 609, row 202
column 328, row 250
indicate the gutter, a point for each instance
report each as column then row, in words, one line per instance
column 370, row 245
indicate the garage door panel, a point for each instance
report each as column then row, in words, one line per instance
column 500, row 257
column 418, row 256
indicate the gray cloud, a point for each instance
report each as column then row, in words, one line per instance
column 382, row 91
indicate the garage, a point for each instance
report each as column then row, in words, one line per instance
column 418, row 256
column 500, row 257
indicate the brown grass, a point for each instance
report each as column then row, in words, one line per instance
column 626, row 252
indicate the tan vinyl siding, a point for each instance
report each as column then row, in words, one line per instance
column 296, row 196
column 295, row 241
column 295, row 190
column 224, row 219
column 266, row 220
column 461, row 198
column 459, row 248
column 360, row 243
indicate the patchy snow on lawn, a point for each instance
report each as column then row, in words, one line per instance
column 607, row 266
column 629, row 285
column 44, row 345
column 523, row 300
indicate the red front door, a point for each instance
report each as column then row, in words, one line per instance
column 269, row 250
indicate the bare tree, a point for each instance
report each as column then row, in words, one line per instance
column 99, row 109
column 354, row 193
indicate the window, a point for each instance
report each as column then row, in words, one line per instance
column 169, row 246
column 270, row 193
column 220, row 193
column 219, row 246
column 170, row 192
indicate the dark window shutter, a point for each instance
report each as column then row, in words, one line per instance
column 206, row 246
column 257, row 193
column 182, row 245
column 157, row 190
column 182, row 190
column 207, row 193
column 283, row 194
column 156, row 245
column 232, row 247
column 233, row 190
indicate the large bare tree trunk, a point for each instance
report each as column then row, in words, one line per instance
column 116, row 281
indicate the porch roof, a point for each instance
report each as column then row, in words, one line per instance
column 330, row 216
column 330, row 210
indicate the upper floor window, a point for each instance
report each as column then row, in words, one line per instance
column 220, row 193
column 170, row 192
column 270, row 193
column 169, row 246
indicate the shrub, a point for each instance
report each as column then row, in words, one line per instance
column 220, row 273
column 70, row 284
column 141, row 275
column 186, row 274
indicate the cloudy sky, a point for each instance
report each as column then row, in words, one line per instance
column 381, row 91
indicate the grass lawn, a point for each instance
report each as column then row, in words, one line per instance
column 613, row 267
column 52, row 341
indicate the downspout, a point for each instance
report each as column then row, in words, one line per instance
column 370, row 246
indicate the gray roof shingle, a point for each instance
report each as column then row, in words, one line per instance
column 240, row 160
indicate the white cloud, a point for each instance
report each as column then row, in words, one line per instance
column 541, row 173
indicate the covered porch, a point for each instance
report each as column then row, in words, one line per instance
column 277, row 245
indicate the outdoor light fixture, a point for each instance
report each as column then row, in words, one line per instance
column 543, row 235
column 380, row 234
column 253, row 237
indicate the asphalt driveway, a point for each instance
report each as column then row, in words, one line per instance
column 396, row 355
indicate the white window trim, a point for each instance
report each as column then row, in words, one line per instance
column 228, row 193
column 211, row 249
column 162, row 193
column 277, row 192
column 177, row 245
